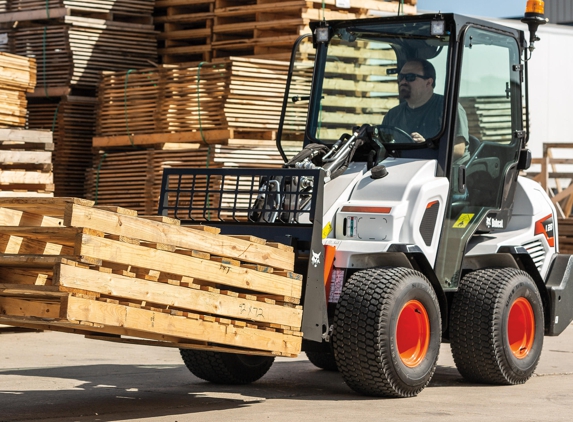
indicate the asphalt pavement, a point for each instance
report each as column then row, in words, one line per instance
column 64, row 377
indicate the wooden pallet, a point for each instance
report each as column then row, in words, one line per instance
column 26, row 163
column 186, row 29
column 81, row 268
column 270, row 27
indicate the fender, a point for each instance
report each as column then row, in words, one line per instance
column 408, row 256
column 513, row 257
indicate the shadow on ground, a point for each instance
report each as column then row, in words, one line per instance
column 106, row 392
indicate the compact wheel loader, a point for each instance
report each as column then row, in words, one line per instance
column 402, row 245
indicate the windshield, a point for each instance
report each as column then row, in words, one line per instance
column 390, row 76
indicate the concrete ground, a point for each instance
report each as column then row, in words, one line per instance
column 64, row 377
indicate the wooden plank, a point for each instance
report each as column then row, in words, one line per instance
column 23, row 135
column 181, row 344
column 139, row 256
column 156, row 232
column 79, row 309
column 15, row 217
column 25, row 157
column 207, row 136
column 10, row 306
column 54, row 207
column 59, row 235
column 174, row 296
column 31, row 15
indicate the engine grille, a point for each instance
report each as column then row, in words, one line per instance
column 536, row 251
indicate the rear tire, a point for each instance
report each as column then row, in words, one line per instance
column 496, row 328
column 226, row 368
column 387, row 332
column 322, row 360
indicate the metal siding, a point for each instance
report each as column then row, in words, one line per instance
column 559, row 11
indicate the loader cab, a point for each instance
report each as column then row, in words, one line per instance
column 478, row 74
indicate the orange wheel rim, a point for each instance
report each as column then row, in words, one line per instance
column 413, row 333
column 521, row 328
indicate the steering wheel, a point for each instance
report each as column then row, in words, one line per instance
column 395, row 129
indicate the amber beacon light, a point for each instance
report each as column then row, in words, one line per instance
column 534, row 16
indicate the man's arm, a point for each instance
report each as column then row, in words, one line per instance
column 462, row 133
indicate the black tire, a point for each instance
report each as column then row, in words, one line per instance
column 372, row 348
column 226, row 368
column 487, row 345
column 322, row 360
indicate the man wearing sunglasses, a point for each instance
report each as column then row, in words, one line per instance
column 420, row 110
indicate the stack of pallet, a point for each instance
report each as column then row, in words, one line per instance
column 73, row 41
column 17, row 76
column 235, row 93
column 187, row 115
column 68, row 266
column 26, row 163
column 201, row 30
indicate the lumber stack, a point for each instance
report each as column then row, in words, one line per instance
column 132, row 179
column 489, row 118
column 26, row 163
column 237, row 93
column 187, row 115
column 74, row 41
column 17, row 76
column 565, row 235
column 75, row 51
column 202, row 30
column 358, row 88
column 71, row 119
column 68, row 266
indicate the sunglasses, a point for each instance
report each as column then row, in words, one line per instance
column 410, row 77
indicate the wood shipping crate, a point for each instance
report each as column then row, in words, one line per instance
column 66, row 265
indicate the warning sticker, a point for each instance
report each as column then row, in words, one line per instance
column 463, row 221
column 326, row 230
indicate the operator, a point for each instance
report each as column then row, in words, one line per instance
column 420, row 110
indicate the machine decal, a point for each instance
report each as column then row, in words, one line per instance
column 336, row 282
column 315, row 258
column 326, row 230
column 463, row 221
column 494, row 223
column 545, row 227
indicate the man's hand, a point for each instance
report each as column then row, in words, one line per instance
column 417, row 137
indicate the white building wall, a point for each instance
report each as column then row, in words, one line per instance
column 550, row 85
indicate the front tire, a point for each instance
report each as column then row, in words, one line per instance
column 387, row 332
column 496, row 328
column 226, row 368
column 322, row 360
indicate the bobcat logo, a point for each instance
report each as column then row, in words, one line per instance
column 315, row 258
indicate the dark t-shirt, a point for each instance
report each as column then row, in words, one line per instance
column 426, row 120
